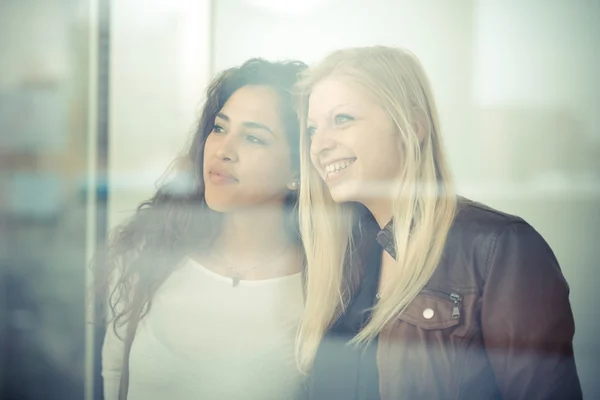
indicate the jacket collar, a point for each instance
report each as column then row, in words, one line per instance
column 385, row 238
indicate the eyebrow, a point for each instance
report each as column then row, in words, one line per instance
column 249, row 124
column 334, row 109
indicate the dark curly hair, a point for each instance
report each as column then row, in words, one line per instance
column 141, row 253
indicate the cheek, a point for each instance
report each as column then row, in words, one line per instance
column 207, row 151
column 314, row 161
column 267, row 170
column 205, row 158
column 380, row 154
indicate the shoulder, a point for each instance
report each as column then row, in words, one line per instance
column 475, row 217
column 477, row 226
column 482, row 236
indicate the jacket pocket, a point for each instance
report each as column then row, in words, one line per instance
column 434, row 309
column 421, row 354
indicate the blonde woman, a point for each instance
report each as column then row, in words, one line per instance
column 413, row 292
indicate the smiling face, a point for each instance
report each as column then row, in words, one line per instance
column 247, row 155
column 354, row 142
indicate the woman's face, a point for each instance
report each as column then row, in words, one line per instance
column 354, row 142
column 247, row 155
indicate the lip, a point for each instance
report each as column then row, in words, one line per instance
column 218, row 175
column 330, row 161
column 328, row 177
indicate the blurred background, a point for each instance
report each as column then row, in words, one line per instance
column 98, row 96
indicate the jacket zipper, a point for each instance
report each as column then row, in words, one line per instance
column 454, row 297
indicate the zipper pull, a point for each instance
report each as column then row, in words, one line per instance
column 456, row 298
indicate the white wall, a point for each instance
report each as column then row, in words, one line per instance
column 540, row 54
column 159, row 68
column 518, row 96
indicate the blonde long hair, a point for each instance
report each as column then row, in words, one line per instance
column 424, row 202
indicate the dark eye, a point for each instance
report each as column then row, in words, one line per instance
column 218, row 129
column 342, row 118
column 255, row 140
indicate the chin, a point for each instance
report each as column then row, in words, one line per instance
column 344, row 193
column 220, row 203
column 219, row 207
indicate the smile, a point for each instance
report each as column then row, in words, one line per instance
column 336, row 168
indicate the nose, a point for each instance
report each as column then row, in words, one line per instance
column 322, row 141
column 227, row 149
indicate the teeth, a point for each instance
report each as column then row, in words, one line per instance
column 338, row 166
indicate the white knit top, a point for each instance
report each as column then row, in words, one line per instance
column 205, row 339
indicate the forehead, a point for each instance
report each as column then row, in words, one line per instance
column 253, row 103
column 333, row 92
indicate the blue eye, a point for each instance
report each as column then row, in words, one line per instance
column 342, row 118
column 311, row 130
column 255, row 140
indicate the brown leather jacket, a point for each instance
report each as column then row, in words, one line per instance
column 494, row 321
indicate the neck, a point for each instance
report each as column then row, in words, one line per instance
column 253, row 234
column 381, row 210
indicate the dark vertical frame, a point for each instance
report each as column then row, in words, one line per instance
column 102, row 186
